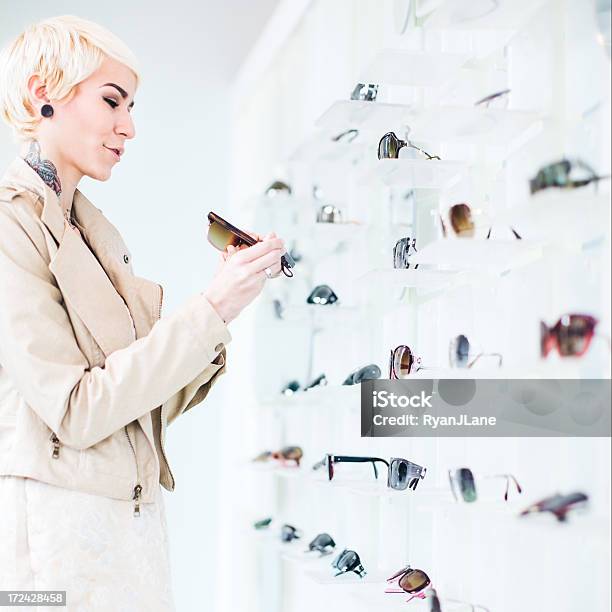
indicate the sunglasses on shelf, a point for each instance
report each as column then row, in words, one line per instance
column 222, row 234
column 435, row 604
column 459, row 353
column 346, row 136
column 323, row 295
column 369, row 372
column 285, row 454
column 409, row 580
column 463, row 225
column 463, row 484
column 278, row 188
column 571, row 335
column 290, row 533
column 494, row 98
column 329, row 214
column 291, row 387
column 402, row 251
column 319, row 381
column 323, row 544
column 401, row 473
column 559, row 505
column 262, row 524
column 564, row 174
column 348, row 561
column 364, row 92
column 403, row 362
column 390, row 145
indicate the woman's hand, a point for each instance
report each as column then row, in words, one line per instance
column 241, row 277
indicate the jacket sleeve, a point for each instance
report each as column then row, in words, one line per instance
column 195, row 391
column 38, row 349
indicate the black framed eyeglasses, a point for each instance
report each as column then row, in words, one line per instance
column 390, row 145
column 368, row 372
column 461, row 356
column 348, row 561
column 402, row 251
column 463, row 484
column 401, row 473
column 323, row 544
column 565, row 174
column 323, row 295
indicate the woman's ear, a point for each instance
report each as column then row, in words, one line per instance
column 38, row 92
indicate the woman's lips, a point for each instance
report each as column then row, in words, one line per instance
column 114, row 152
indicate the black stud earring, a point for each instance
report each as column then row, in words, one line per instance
column 46, row 110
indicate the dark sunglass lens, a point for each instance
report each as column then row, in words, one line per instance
column 467, row 484
column 399, row 475
column 573, row 335
column 414, row 581
column 461, row 219
column 544, row 339
column 389, row 146
column 402, row 361
column 462, row 351
column 219, row 237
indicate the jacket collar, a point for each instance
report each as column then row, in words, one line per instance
column 98, row 283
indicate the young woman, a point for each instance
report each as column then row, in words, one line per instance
column 90, row 374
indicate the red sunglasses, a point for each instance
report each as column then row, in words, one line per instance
column 571, row 335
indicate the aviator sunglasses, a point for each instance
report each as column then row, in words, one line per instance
column 409, row 580
column 222, row 234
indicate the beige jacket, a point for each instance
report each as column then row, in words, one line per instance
column 90, row 375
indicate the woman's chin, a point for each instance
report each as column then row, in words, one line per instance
column 100, row 173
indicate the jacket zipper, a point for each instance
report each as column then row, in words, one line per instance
column 161, row 441
column 137, row 489
column 56, row 445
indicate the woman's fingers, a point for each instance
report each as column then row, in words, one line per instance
column 258, row 250
column 269, row 260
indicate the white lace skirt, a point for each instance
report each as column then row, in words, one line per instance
column 90, row 546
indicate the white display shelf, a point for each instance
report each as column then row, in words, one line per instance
column 362, row 115
column 416, row 173
column 322, row 148
column 416, row 68
column 472, row 253
column 334, row 394
column 322, row 314
column 477, row 14
column 565, row 218
column 373, row 596
column 326, row 576
column 420, row 278
column 473, row 125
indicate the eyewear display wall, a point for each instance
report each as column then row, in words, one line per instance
column 514, row 304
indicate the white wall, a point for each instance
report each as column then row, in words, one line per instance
column 171, row 175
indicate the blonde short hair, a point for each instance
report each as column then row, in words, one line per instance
column 63, row 51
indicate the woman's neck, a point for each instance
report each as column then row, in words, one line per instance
column 49, row 173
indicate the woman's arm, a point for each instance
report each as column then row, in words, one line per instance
column 39, row 351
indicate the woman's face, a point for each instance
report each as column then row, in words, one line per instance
column 81, row 133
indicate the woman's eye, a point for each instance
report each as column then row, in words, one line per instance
column 111, row 102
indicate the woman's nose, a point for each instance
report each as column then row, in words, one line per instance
column 126, row 127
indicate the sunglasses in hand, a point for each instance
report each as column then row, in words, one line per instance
column 463, row 484
column 401, row 473
column 222, row 234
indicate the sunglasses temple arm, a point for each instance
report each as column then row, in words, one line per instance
column 498, row 355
